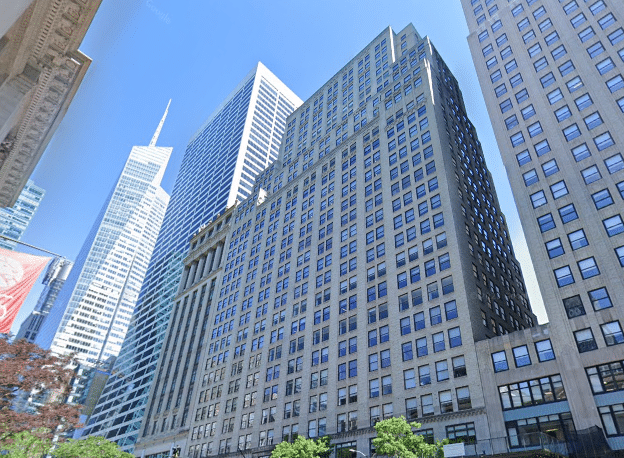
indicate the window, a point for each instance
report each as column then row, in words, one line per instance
column 438, row 342
column 454, row 335
column 585, row 340
column 614, row 163
column 574, row 306
column 591, row 174
column 616, row 83
column 583, row 102
column 523, row 158
column 571, row 132
column 522, row 95
column 593, row 120
column 546, row 222
column 613, row 225
column 559, row 189
column 564, row 276
column 535, row 129
column 574, row 84
column 577, row 239
column 595, row 49
column 544, row 350
column 580, row 152
column 532, row 393
column 528, row 112
column 602, row 198
column 563, row 113
column 538, row 199
column 612, row 333
column 500, row 361
column 600, row 299
column 550, row 167
column 409, row 379
column 554, row 248
column 521, row 356
column 528, row 36
column 568, row 213
column 386, row 385
column 442, row 372
column 578, row 20
column 605, row 66
column 555, row 96
column 586, row 34
column 612, row 419
column 547, row 80
column 619, row 252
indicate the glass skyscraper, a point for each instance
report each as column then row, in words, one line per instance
column 15, row 220
column 54, row 279
column 239, row 140
column 92, row 311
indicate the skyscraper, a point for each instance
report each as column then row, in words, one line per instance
column 15, row 220
column 93, row 310
column 219, row 167
column 54, row 279
column 551, row 74
column 378, row 220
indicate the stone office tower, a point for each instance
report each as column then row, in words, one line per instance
column 381, row 220
column 219, row 167
column 551, row 74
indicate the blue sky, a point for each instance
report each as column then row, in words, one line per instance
column 195, row 52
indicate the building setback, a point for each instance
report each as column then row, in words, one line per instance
column 93, row 309
column 379, row 218
column 551, row 75
column 219, row 167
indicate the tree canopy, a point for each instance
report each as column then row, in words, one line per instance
column 302, row 448
column 91, row 447
column 396, row 437
column 26, row 371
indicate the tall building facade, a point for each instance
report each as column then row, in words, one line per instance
column 379, row 218
column 15, row 220
column 54, row 279
column 551, row 74
column 92, row 312
column 219, row 167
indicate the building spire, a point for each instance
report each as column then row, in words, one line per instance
column 160, row 125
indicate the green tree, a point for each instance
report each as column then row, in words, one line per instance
column 91, row 447
column 25, row 444
column 396, row 437
column 302, row 448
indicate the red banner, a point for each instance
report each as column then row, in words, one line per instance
column 18, row 273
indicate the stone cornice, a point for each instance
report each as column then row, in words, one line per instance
column 48, row 48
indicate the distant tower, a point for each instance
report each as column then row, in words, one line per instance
column 239, row 140
column 93, row 310
column 54, row 280
column 15, row 220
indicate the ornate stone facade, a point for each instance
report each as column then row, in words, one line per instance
column 41, row 69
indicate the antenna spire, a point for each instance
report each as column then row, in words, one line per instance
column 160, row 125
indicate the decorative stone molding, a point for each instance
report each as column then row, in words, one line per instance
column 44, row 74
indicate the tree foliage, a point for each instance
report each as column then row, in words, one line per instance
column 302, row 448
column 27, row 370
column 396, row 437
column 25, row 444
column 91, row 447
